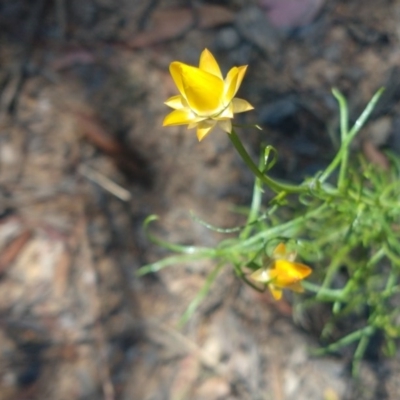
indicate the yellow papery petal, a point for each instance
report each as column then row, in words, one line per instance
column 179, row 117
column 227, row 113
column 204, row 128
column 240, row 105
column 203, row 90
column 296, row 287
column 261, row 275
column 225, row 125
column 286, row 273
column 230, row 85
column 196, row 120
column 277, row 293
column 175, row 69
column 241, row 73
column 175, row 102
column 279, row 251
column 291, row 256
column 209, row 64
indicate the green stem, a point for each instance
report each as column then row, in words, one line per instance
column 360, row 351
column 201, row 294
column 276, row 186
column 325, row 294
column 286, row 228
column 353, row 282
column 350, row 338
column 344, row 131
column 255, row 206
column 350, row 136
column 333, row 266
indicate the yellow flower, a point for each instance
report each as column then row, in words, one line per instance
column 206, row 99
column 282, row 272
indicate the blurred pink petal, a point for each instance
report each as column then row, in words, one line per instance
column 291, row 13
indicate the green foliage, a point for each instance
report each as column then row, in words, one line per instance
column 344, row 222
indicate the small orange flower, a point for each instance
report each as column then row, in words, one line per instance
column 282, row 272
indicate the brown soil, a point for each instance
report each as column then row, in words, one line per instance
column 84, row 160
